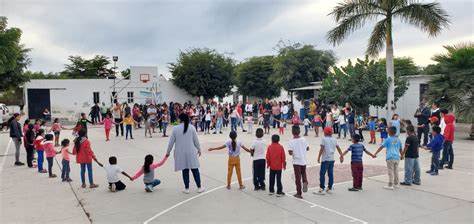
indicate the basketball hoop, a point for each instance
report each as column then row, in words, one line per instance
column 144, row 78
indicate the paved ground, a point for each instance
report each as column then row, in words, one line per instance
column 29, row 197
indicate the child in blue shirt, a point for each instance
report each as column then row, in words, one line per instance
column 383, row 129
column 357, row 151
column 372, row 127
column 436, row 145
column 394, row 149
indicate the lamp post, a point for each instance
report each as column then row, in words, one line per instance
column 115, row 59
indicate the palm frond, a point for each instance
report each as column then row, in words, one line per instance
column 429, row 17
column 355, row 7
column 377, row 38
column 347, row 26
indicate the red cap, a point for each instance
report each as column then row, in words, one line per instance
column 328, row 131
column 434, row 119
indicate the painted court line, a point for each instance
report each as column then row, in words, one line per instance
column 5, row 155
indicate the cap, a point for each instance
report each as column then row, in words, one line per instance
column 328, row 131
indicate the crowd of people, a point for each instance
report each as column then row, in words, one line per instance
column 188, row 119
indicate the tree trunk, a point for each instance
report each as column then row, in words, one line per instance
column 390, row 75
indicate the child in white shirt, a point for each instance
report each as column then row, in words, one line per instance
column 112, row 171
column 306, row 123
column 298, row 147
column 258, row 151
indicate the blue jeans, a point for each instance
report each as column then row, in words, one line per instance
column 233, row 124
column 154, row 183
column 351, row 130
column 165, row 125
column 329, row 167
column 434, row 161
column 128, row 129
column 341, row 128
column 448, row 154
column 306, row 127
column 196, row 175
column 219, row 124
column 40, row 159
column 89, row 173
column 66, row 169
column 412, row 166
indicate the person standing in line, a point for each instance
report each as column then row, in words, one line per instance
column 297, row 148
column 276, row 162
column 411, row 154
column 258, row 153
column 394, row 150
column 448, row 153
column 30, row 146
column 16, row 135
column 84, row 156
column 422, row 115
column 328, row 147
column 117, row 113
column 186, row 151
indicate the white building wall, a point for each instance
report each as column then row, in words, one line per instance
column 408, row 103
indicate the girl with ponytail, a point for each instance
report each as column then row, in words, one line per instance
column 84, row 156
column 234, row 158
column 148, row 169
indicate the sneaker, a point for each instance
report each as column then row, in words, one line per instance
column 396, row 186
column 434, row 174
column 353, row 189
column 329, row 190
column 19, row 164
column 43, row 171
column 416, row 183
column 94, row 186
column 112, row 188
column 281, row 194
column 68, row 179
column 298, row 196
column 448, row 167
column 186, row 191
column 429, row 171
column 320, row 191
column 256, row 188
column 305, row 187
column 271, row 193
column 405, row 184
column 83, row 185
column 440, row 168
column 388, row 188
column 242, row 187
column 52, row 176
column 244, row 131
column 201, row 189
column 148, row 188
column 263, row 188
column 63, row 180
column 358, row 188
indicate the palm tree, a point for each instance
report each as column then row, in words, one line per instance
column 351, row 15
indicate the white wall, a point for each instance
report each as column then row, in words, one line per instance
column 409, row 102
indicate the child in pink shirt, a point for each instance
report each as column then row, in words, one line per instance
column 148, row 169
column 107, row 122
column 50, row 153
column 65, row 162
column 56, row 129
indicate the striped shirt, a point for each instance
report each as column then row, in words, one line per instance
column 357, row 151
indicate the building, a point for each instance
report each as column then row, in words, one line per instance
column 66, row 98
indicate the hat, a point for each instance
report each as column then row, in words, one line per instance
column 328, row 131
column 434, row 119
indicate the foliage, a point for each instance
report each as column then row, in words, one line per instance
column 13, row 57
column 351, row 15
column 203, row 72
column 80, row 68
column 297, row 65
column 403, row 66
column 363, row 84
column 453, row 88
column 253, row 78
column 41, row 75
column 125, row 73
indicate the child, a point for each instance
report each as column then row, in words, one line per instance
column 234, row 160
column 276, row 161
column 258, row 153
column 328, row 147
column 40, row 150
column 448, row 154
column 249, row 123
column 266, row 121
column 76, row 129
column 65, row 162
column 317, row 123
column 298, row 147
column 295, row 120
column 207, row 120
column 306, row 123
column 436, row 145
column 371, row 125
column 56, row 129
column 147, row 122
column 341, row 122
column 357, row 168
column 112, row 171
column 394, row 149
column 148, row 169
column 107, row 122
column 128, row 121
column 382, row 127
column 84, row 156
column 165, row 119
column 50, row 153
column 29, row 145
column 410, row 153
column 395, row 122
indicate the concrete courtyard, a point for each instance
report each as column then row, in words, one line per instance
column 29, row 197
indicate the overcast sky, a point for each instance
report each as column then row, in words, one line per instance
column 152, row 32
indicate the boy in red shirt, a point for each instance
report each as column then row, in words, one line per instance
column 276, row 161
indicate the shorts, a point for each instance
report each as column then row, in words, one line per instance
column 318, row 124
column 266, row 124
column 56, row 133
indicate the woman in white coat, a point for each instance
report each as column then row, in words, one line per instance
column 186, row 151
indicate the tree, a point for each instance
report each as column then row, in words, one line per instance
column 453, row 87
column 362, row 84
column 253, row 78
column 352, row 15
column 41, row 75
column 403, row 66
column 13, row 57
column 80, row 68
column 297, row 65
column 203, row 72
column 125, row 73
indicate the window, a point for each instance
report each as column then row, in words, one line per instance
column 130, row 97
column 423, row 89
column 96, row 97
column 113, row 98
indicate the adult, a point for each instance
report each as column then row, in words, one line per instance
column 103, row 111
column 117, row 113
column 422, row 115
column 95, row 111
column 335, row 115
column 16, row 135
column 276, row 112
column 285, row 110
column 46, row 115
column 186, row 151
column 435, row 113
column 152, row 117
column 312, row 110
